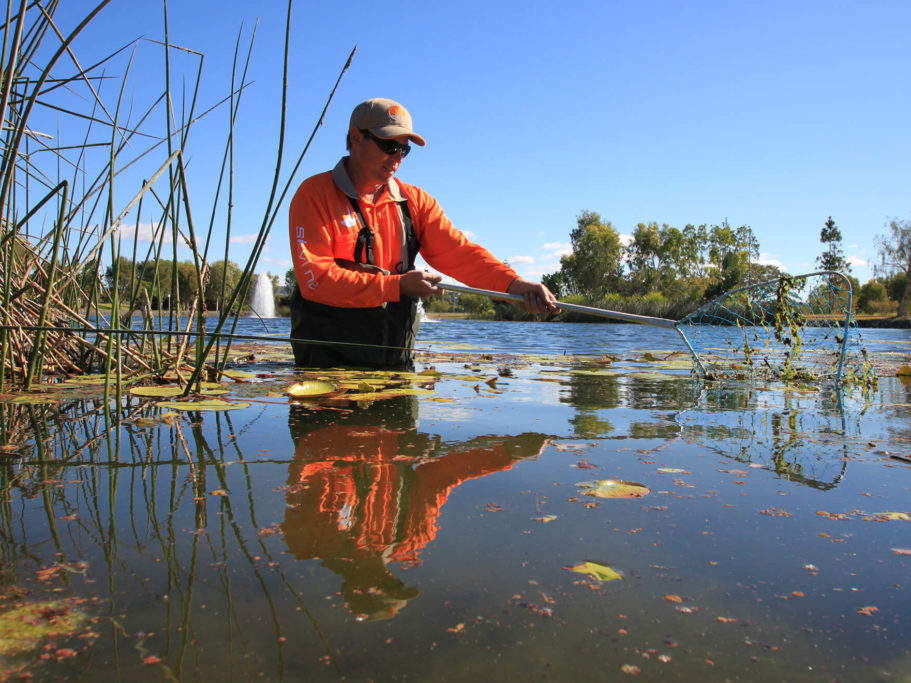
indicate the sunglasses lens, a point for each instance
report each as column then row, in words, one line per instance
column 389, row 147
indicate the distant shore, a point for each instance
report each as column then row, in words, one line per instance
column 884, row 322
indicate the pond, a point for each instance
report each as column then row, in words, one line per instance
column 462, row 523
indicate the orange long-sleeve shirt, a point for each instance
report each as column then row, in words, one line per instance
column 324, row 227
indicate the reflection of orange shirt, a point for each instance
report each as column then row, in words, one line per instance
column 324, row 227
column 370, row 498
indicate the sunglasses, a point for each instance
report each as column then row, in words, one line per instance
column 389, row 147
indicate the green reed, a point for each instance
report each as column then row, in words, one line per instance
column 64, row 263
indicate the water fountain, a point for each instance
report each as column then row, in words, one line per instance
column 263, row 300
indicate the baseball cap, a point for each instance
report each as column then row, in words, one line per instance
column 385, row 119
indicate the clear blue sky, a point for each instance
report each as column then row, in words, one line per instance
column 771, row 114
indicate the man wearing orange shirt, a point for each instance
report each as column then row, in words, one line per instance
column 355, row 233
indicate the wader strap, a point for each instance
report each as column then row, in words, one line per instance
column 364, row 238
column 363, row 248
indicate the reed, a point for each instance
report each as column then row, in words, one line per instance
column 73, row 294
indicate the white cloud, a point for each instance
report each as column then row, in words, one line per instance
column 557, row 249
column 766, row 260
column 856, row 261
column 243, row 239
column 520, row 260
column 145, row 232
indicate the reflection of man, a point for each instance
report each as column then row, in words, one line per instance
column 367, row 490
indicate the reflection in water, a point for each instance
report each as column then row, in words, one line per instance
column 801, row 434
column 366, row 491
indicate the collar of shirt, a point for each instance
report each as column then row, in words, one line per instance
column 343, row 182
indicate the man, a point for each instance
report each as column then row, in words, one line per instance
column 355, row 232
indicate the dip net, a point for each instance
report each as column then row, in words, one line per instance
column 794, row 328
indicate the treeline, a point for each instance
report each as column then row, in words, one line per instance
column 692, row 263
column 134, row 281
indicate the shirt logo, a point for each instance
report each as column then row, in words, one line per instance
column 349, row 220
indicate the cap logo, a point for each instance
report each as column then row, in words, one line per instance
column 394, row 110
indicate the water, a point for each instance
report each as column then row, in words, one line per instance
column 263, row 300
column 434, row 536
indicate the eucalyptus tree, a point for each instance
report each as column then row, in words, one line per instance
column 594, row 267
column 895, row 254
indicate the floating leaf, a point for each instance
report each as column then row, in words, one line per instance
column 867, row 611
column 239, row 375
column 904, row 371
column 893, row 516
column 31, row 399
column 166, row 391
column 544, row 519
column 600, row 572
column 203, row 404
column 311, row 389
column 613, row 488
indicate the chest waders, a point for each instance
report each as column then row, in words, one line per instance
column 374, row 337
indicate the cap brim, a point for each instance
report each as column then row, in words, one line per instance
column 397, row 132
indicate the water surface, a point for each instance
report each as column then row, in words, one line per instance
column 435, row 535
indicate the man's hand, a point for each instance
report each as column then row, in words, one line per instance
column 420, row 283
column 538, row 298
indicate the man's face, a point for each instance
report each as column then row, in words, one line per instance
column 369, row 161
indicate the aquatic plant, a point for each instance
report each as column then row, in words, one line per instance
column 75, row 285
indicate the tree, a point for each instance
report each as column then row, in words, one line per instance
column 871, row 297
column 594, row 267
column 895, row 253
column 832, row 257
column 290, row 281
column 644, row 256
column 554, row 282
column 218, row 275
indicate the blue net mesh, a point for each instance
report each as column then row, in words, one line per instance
column 792, row 328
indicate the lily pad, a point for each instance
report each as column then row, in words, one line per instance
column 613, row 488
column 600, row 572
column 166, row 391
column 311, row 388
column 203, row 404
column 238, row 374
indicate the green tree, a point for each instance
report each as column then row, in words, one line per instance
column 871, row 297
column 895, row 253
column 732, row 253
column 895, row 286
column 554, row 282
column 594, row 267
column 832, row 257
column 124, row 277
column 644, row 256
column 220, row 274
column 290, row 281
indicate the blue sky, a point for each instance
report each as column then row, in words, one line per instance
column 771, row 114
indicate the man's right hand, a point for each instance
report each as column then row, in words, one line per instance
column 420, row 283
